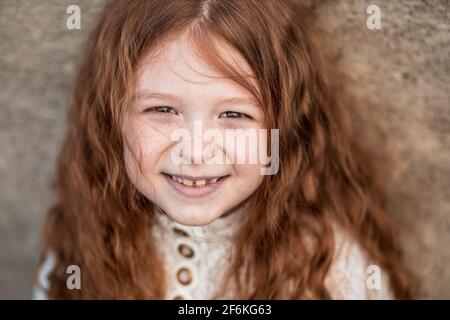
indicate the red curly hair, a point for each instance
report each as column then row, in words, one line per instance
column 102, row 223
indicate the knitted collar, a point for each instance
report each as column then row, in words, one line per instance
column 220, row 230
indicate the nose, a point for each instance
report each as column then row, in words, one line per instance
column 196, row 149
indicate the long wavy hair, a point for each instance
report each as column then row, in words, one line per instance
column 103, row 224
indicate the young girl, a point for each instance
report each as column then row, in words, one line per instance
column 141, row 226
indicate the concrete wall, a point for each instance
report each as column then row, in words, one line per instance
column 398, row 76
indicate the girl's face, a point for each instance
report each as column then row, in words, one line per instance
column 176, row 89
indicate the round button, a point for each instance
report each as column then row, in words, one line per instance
column 186, row 250
column 184, row 276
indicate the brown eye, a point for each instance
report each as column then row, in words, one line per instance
column 234, row 115
column 162, row 109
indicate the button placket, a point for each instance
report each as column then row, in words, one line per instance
column 181, row 294
column 185, row 273
column 184, row 276
column 186, row 250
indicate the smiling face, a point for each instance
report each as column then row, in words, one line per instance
column 176, row 89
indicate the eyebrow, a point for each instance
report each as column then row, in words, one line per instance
column 144, row 95
column 237, row 100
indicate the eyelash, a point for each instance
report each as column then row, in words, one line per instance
column 167, row 109
column 162, row 109
column 236, row 115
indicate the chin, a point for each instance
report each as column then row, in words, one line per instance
column 197, row 218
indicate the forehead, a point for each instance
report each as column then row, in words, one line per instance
column 177, row 68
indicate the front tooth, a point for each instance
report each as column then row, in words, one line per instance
column 200, row 183
column 179, row 180
column 187, row 182
column 173, row 178
column 214, row 180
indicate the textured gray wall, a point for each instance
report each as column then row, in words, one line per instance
column 398, row 77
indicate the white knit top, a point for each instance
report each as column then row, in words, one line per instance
column 195, row 259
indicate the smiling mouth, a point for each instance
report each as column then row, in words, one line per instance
column 190, row 186
column 194, row 182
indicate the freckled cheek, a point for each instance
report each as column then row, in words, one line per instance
column 248, row 176
column 150, row 143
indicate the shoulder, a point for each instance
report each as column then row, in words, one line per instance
column 42, row 284
column 351, row 273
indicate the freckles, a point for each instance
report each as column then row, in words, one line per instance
column 148, row 135
column 138, row 164
column 149, row 145
column 131, row 165
column 158, row 129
